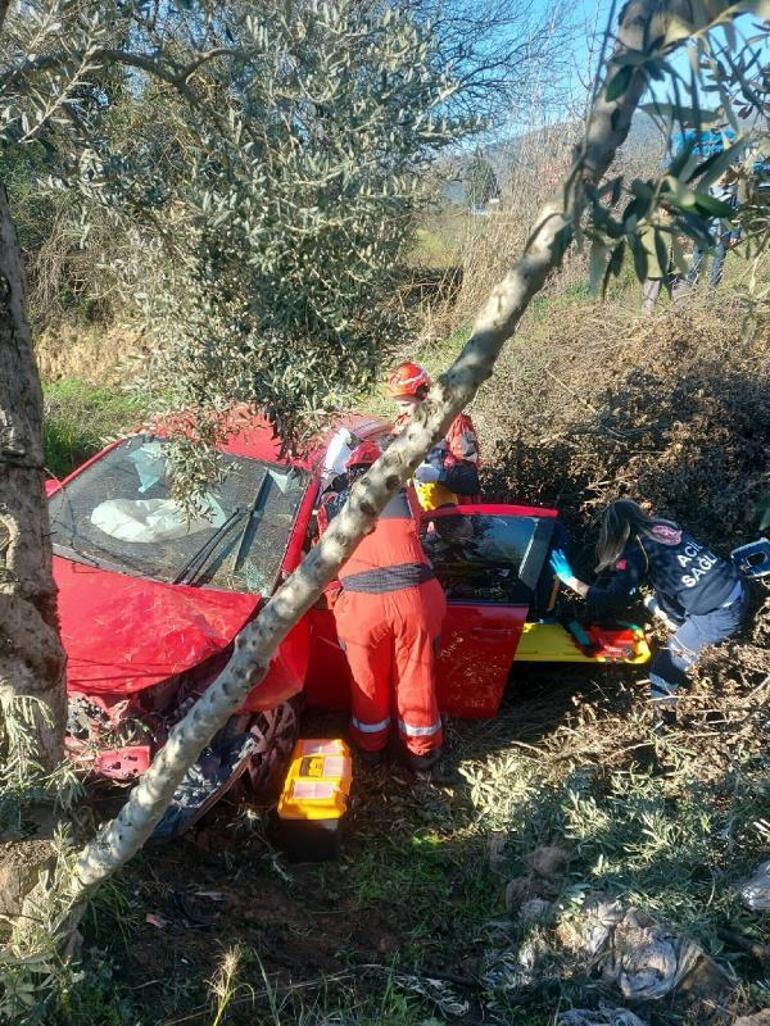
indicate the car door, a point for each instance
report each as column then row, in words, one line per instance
column 489, row 560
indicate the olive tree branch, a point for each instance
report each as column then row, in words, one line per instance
column 173, row 74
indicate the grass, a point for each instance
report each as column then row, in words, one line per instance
column 80, row 418
column 411, row 924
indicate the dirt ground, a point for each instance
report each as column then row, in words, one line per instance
column 410, row 924
column 227, row 883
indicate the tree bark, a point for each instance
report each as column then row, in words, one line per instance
column 31, row 656
column 119, row 840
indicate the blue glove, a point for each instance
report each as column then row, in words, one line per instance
column 427, row 474
column 561, row 567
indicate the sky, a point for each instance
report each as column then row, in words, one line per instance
column 589, row 18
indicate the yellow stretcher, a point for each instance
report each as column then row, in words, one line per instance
column 548, row 641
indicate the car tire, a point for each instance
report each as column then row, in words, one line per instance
column 276, row 731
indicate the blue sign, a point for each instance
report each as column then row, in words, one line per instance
column 706, row 142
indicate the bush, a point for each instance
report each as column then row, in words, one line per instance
column 598, row 404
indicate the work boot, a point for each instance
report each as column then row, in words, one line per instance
column 371, row 759
column 433, row 769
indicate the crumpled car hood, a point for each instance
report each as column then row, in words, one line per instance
column 123, row 634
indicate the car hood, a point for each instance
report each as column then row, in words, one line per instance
column 123, row 634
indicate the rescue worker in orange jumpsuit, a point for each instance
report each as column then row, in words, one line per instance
column 450, row 472
column 389, row 616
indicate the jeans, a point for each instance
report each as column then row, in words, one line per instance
column 696, row 633
column 717, row 264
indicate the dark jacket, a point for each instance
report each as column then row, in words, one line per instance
column 687, row 577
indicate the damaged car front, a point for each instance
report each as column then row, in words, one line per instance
column 151, row 599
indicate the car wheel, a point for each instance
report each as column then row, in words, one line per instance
column 276, row 732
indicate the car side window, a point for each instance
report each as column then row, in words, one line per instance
column 487, row 558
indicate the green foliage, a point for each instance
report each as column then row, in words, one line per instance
column 23, row 781
column 270, row 196
column 290, row 240
column 79, row 419
column 662, row 212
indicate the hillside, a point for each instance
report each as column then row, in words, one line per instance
column 505, row 154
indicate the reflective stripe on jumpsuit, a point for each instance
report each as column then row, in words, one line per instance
column 390, row 641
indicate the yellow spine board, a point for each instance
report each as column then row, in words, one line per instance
column 318, row 783
column 552, row 643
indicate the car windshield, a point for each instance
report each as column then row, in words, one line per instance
column 118, row 513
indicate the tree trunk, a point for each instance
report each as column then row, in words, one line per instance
column 607, row 128
column 31, row 656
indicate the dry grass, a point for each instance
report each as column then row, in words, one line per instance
column 594, row 403
column 97, row 354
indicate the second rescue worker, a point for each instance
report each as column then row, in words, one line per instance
column 388, row 618
column 450, row 472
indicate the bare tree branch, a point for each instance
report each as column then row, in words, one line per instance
column 174, row 75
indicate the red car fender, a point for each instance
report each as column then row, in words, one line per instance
column 287, row 673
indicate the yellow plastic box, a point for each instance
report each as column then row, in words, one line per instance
column 314, row 799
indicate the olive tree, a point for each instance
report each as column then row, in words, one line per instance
column 269, row 199
column 276, row 288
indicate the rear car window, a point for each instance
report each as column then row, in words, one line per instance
column 488, row 558
column 119, row 513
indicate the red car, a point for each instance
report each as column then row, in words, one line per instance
column 150, row 602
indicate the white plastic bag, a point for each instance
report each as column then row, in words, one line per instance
column 756, row 891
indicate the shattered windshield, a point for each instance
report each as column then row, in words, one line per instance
column 119, row 514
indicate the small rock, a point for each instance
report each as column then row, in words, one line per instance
column 519, row 890
column 548, row 861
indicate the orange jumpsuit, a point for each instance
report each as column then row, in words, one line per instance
column 389, row 618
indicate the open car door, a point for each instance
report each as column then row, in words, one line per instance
column 490, row 561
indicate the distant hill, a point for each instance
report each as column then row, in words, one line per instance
column 644, row 138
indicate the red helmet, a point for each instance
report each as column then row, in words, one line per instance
column 407, row 379
column 364, row 454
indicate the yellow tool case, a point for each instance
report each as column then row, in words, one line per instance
column 314, row 799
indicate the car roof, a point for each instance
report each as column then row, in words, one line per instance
column 250, row 434
column 256, row 439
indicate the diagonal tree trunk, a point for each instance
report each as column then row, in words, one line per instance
column 31, row 656
column 640, row 22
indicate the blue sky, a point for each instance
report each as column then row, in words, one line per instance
column 592, row 15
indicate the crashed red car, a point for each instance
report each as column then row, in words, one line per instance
column 150, row 603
